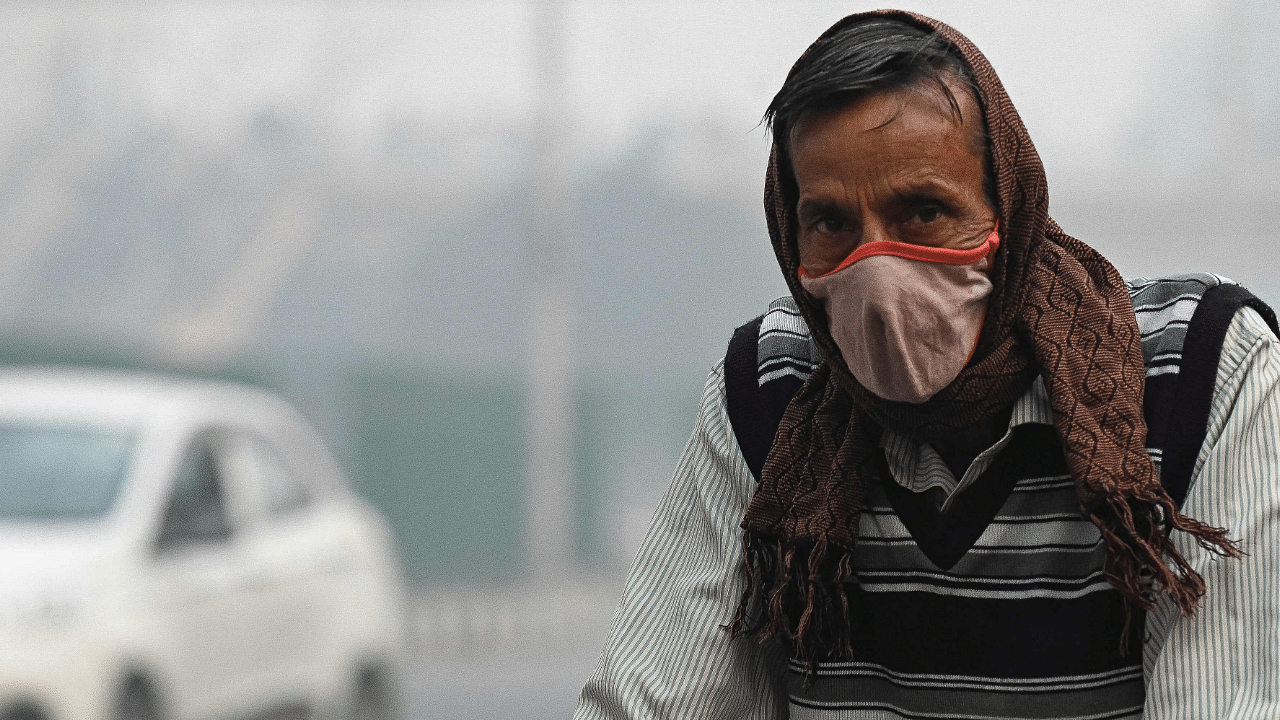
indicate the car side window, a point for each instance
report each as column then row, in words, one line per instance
column 196, row 511
column 262, row 467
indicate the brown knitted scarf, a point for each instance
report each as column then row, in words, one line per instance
column 1059, row 310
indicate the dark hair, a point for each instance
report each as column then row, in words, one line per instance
column 874, row 56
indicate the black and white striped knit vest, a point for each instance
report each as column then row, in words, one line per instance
column 997, row 608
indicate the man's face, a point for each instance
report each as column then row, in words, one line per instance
column 898, row 166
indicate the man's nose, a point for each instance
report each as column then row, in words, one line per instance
column 874, row 230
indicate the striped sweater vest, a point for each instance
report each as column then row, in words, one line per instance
column 999, row 607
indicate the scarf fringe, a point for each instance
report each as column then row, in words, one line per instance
column 1141, row 558
column 813, row 578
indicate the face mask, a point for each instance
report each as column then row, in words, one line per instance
column 906, row 317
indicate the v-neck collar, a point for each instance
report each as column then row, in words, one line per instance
column 918, row 467
column 945, row 534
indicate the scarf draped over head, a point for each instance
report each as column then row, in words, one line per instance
column 1058, row 310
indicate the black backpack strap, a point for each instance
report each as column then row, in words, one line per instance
column 1189, row 421
column 742, row 396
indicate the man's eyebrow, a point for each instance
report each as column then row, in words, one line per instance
column 816, row 205
column 925, row 189
column 916, row 198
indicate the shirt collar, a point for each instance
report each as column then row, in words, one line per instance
column 916, row 466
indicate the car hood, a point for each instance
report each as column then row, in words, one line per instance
column 39, row 555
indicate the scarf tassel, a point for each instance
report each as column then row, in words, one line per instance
column 1141, row 559
column 815, row 579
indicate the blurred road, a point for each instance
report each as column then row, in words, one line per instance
column 506, row 652
column 523, row 688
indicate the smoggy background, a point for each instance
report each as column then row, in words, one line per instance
column 359, row 204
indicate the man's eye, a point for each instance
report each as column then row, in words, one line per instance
column 831, row 224
column 928, row 214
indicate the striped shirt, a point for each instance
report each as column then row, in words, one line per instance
column 667, row 657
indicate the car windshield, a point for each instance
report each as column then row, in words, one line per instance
column 60, row 472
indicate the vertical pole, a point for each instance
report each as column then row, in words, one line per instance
column 551, row 263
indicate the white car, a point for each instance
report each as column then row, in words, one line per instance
column 183, row 550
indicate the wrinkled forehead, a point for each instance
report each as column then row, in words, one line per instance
column 953, row 99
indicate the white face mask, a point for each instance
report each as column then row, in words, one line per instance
column 906, row 317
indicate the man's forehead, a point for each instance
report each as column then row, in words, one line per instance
column 921, row 106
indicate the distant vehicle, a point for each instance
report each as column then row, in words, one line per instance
column 182, row 550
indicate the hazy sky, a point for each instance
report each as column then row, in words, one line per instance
column 1078, row 71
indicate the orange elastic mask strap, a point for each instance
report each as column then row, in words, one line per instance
column 923, row 253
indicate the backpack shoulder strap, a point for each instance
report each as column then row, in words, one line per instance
column 1164, row 308
column 768, row 361
column 742, row 396
column 1189, row 424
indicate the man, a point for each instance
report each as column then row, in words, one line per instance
column 963, row 471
